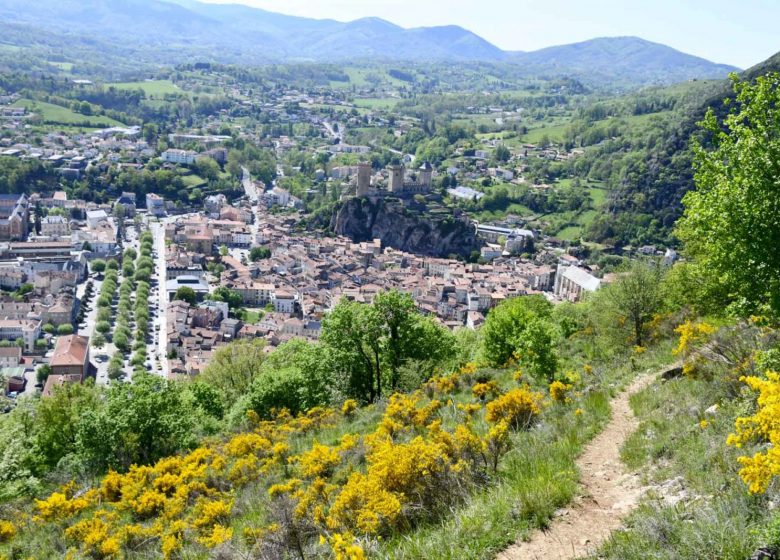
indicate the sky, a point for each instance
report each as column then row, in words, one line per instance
column 741, row 33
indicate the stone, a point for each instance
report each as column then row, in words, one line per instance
column 712, row 411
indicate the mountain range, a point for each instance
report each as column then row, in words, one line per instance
column 186, row 30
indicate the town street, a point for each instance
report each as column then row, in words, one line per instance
column 159, row 322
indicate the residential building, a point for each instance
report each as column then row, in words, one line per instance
column 155, row 204
column 10, row 356
column 25, row 329
column 180, row 157
column 55, row 226
column 71, row 356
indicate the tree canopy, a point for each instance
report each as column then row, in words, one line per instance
column 730, row 224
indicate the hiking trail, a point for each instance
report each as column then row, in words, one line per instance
column 608, row 492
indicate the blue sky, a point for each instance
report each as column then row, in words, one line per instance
column 742, row 32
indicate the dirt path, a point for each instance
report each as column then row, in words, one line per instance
column 608, row 493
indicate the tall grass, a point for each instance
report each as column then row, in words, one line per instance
column 716, row 518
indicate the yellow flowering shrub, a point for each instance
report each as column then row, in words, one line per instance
column 468, row 445
column 288, row 487
column 211, row 512
column 245, row 470
column 482, row 391
column 348, row 441
column 219, row 534
column 469, row 409
column 343, row 547
column 349, row 407
column 518, row 407
column 58, row 506
column 443, row 384
column 365, row 505
column 404, row 412
column 559, row 391
column 692, row 333
column 246, row 444
column 314, row 501
column 764, row 426
column 148, row 503
column 319, row 461
column 94, row 536
column 497, row 442
column 111, row 487
column 7, row 531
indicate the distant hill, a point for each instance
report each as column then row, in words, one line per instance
column 186, row 30
column 632, row 57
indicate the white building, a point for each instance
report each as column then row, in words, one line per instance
column 94, row 217
column 13, row 329
column 55, row 226
column 284, row 302
column 182, row 157
column 571, row 282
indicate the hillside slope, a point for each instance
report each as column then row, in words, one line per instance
column 656, row 185
column 633, row 57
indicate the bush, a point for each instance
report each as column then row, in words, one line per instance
column 506, row 324
column 518, row 408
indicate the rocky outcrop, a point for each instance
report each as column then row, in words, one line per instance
column 419, row 231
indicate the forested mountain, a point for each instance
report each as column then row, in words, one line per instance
column 642, row 60
column 185, row 30
column 653, row 185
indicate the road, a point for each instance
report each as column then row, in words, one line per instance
column 331, row 132
column 249, row 186
column 160, row 323
column 90, row 320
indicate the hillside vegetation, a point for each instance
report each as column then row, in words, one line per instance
column 393, row 437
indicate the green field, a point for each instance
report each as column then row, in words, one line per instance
column 569, row 233
column 554, row 133
column 597, row 194
column 62, row 115
column 379, row 103
column 64, row 66
column 152, row 88
column 192, row 181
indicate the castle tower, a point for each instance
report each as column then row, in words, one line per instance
column 426, row 172
column 397, row 179
column 363, row 178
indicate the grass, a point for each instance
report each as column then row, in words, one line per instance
column 251, row 316
column 717, row 517
column 64, row 66
column 152, row 88
column 51, row 113
column 569, row 233
column 598, row 195
column 554, row 133
column 192, row 181
column 537, row 477
column 378, row 103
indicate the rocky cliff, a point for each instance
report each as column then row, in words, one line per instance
column 423, row 232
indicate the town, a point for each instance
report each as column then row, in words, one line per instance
column 240, row 263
